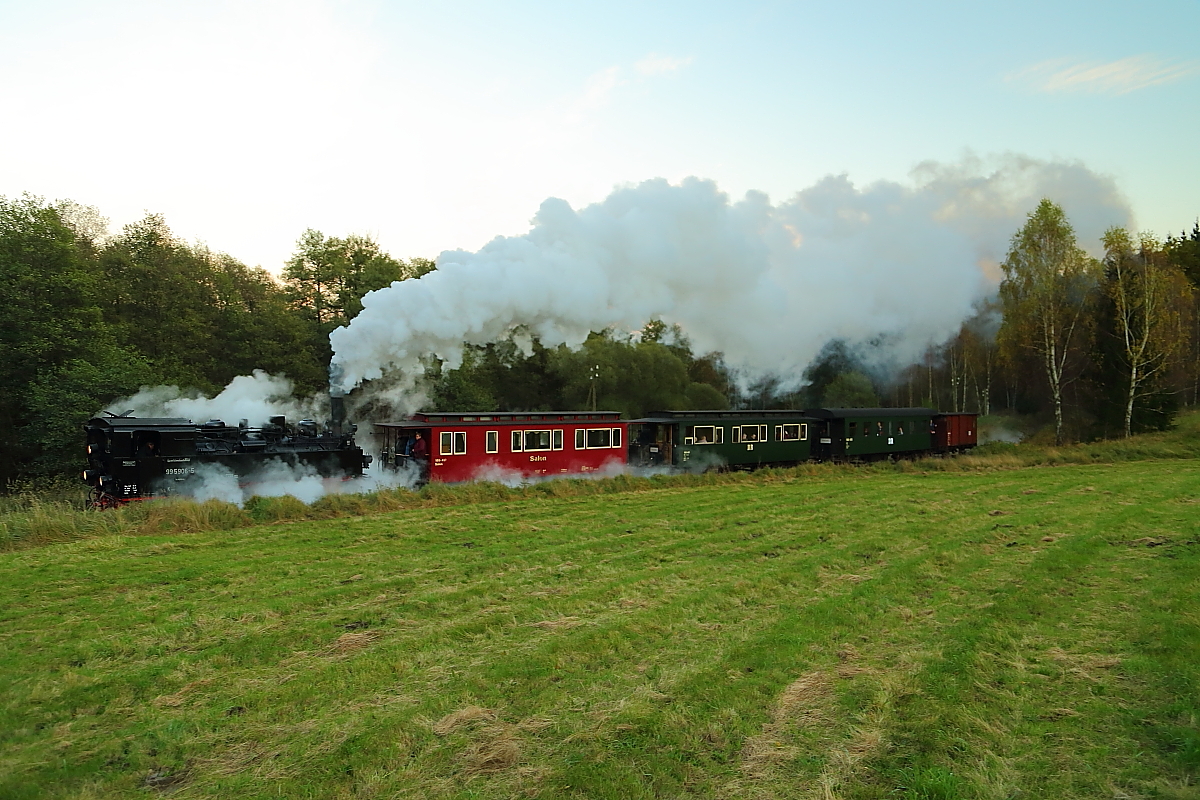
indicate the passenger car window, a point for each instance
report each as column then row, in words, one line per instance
column 537, row 440
column 599, row 437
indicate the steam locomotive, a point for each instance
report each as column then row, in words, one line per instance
column 133, row 458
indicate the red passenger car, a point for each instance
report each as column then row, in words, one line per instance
column 954, row 432
column 499, row 445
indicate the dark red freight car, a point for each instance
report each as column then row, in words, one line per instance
column 501, row 445
column 955, row 432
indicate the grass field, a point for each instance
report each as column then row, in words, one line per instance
column 1026, row 633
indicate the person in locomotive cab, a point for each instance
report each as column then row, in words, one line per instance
column 148, row 449
column 420, row 451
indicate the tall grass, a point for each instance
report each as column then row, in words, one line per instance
column 53, row 513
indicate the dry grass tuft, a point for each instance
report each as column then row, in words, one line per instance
column 844, row 761
column 1083, row 665
column 496, row 745
column 177, row 699
column 464, row 716
column 242, row 756
column 498, row 749
column 848, row 652
column 762, row 752
column 801, row 700
column 562, row 623
column 353, row 642
column 851, row 671
column 804, row 701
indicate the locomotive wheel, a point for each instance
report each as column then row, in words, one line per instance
column 101, row 501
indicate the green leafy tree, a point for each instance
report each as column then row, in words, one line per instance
column 62, row 399
column 631, row 377
column 850, row 390
column 835, row 359
column 312, row 275
column 1150, row 299
column 711, row 383
column 328, row 276
column 1046, row 294
column 201, row 318
column 1184, row 253
column 48, row 290
column 466, row 388
column 615, row 373
column 654, row 331
column 161, row 302
column 61, row 360
column 259, row 329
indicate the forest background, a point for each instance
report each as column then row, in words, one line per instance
column 1070, row 348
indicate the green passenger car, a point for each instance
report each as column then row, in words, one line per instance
column 703, row 440
column 871, row 434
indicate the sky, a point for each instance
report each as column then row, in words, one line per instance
column 439, row 126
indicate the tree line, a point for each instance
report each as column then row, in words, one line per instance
column 92, row 318
column 1091, row 346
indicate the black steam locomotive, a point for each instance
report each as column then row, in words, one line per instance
column 131, row 458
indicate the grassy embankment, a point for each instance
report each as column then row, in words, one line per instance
column 848, row 633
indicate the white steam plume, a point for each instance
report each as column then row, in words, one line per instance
column 255, row 397
column 765, row 284
column 277, row 479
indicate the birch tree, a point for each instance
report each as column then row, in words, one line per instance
column 1045, row 294
column 1149, row 300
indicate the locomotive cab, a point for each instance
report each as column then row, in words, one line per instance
column 147, row 444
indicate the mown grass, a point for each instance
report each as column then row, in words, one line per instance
column 845, row 633
column 32, row 518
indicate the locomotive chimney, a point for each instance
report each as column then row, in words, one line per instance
column 337, row 407
column 337, row 400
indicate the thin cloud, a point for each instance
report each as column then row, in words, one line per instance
column 1114, row 77
column 602, row 85
column 658, row 65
